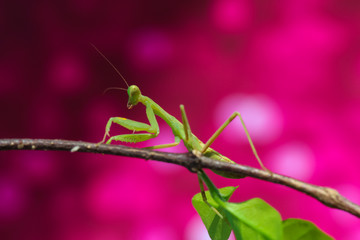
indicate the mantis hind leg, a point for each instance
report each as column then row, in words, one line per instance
column 225, row 124
column 203, row 195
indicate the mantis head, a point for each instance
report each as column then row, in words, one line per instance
column 134, row 96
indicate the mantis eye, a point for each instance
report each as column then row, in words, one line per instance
column 133, row 90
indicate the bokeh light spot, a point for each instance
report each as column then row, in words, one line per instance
column 156, row 230
column 39, row 167
column 47, row 118
column 151, row 48
column 9, row 79
column 196, row 230
column 166, row 136
column 355, row 79
column 116, row 194
column 295, row 57
column 262, row 117
column 293, row 159
column 232, row 15
column 11, row 200
column 354, row 234
column 352, row 193
column 67, row 73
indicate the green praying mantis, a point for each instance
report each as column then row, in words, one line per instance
column 181, row 130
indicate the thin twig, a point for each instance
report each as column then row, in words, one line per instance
column 328, row 196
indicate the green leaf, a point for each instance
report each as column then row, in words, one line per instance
column 253, row 219
column 217, row 228
column 298, row 229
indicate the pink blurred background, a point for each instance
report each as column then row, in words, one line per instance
column 292, row 68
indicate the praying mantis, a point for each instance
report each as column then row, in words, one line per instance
column 181, row 130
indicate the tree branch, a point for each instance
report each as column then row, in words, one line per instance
column 328, row 196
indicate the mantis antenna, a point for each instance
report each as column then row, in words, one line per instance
column 111, row 88
column 112, row 65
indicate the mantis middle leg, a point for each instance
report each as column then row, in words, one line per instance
column 188, row 135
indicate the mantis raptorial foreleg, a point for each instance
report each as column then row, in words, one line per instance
column 152, row 129
column 225, row 124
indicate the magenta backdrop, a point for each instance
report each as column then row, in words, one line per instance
column 292, row 68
